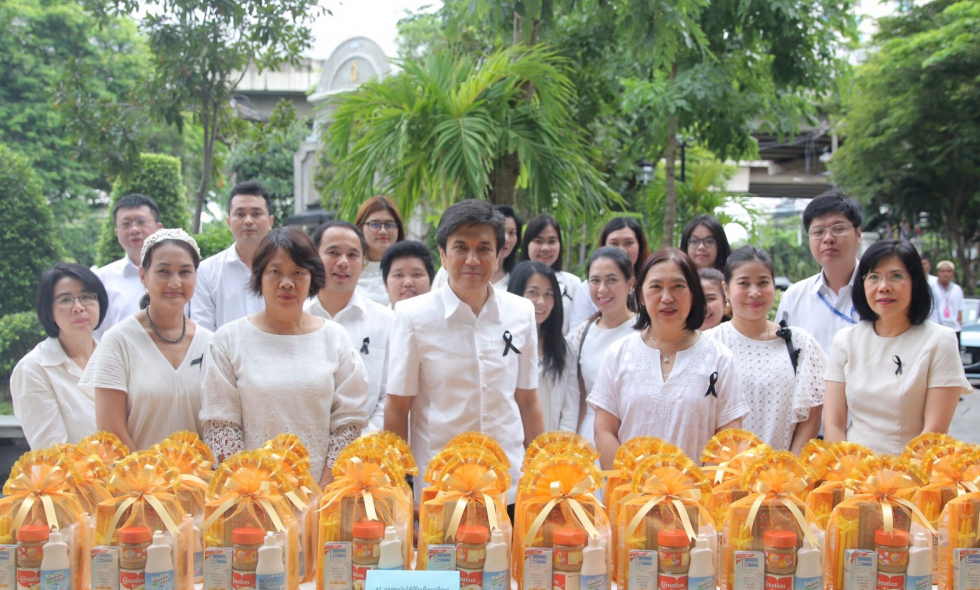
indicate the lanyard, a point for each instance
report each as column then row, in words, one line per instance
column 849, row 319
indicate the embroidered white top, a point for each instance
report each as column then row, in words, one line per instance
column 124, row 288
column 222, row 294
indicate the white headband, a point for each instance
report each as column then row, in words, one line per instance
column 168, row 234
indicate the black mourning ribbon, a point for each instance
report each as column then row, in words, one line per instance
column 787, row 335
column 711, row 385
column 364, row 345
column 509, row 343
column 198, row 361
column 898, row 363
column 564, row 291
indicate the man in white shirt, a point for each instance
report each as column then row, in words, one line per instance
column 342, row 248
column 407, row 270
column 948, row 298
column 222, row 294
column 821, row 304
column 464, row 357
column 136, row 217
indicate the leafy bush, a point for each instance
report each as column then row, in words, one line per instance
column 215, row 238
column 19, row 333
column 28, row 242
column 158, row 177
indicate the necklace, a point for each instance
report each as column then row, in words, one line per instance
column 161, row 336
column 653, row 343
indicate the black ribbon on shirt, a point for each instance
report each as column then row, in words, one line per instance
column 898, row 363
column 787, row 335
column 564, row 292
column 509, row 343
column 364, row 345
column 198, row 361
column 711, row 385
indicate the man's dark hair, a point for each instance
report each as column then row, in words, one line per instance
column 833, row 201
column 132, row 202
column 699, row 305
column 301, row 250
column 45, row 293
column 921, row 305
column 469, row 213
column 323, row 227
column 407, row 249
column 251, row 188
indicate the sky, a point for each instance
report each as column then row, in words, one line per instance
column 375, row 19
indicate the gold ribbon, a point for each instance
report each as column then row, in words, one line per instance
column 356, row 480
column 240, row 493
column 884, row 493
column 787, row 497
column 462, row 494
column 25, row 487
column 145, row 488
column 654, row 485
column 571, row 498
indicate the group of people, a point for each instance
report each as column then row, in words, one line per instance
column 351, row 329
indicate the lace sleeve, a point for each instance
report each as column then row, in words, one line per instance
column 224, row 438
column 809, row 390
column 340, row 438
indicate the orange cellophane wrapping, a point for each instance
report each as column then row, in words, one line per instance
column 558, row 491
column 192, row 439
column 814, row 455
column 879, row 495
column 248, row 490
column 945, row 480
column 776, row 481
column 667, row 491
column 92, row 487
column 144, row 486
column 472, row 490
column 106, row 445
column 959, row 523
column 839, row 461
column 726, row 456
column 555, row 441
column 483, row 440
column 288, row 442
column 397, row 448
column 193, row 490
column 303, row 496
column 917, row 448
column 39, row 492
column 437, row 465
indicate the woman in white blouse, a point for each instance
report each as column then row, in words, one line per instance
column 146, row 373
column 895, row 374
column 542, row 243
column 666, row 380
column 610, row 281
column 557, row 386
column 780, row 370
column 379, row 219
column 71, row 304
column 282, row 369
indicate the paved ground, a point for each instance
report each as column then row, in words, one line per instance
column 966, row 421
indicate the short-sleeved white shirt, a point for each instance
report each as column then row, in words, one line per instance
column 442, row 279
column 569, row 286
column 590, row 354
column 460, row 371
column 367, row 323
column 124, row 288
column 948, row 303
column 222, row 294
column 812, row 305
column 682, row 410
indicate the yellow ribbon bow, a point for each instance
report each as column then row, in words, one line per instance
column 772, row 485
column 359, row 478
column 582, row 490
column 152, row 484
column 248, row 486
column 885, row 487
column 466, row 484
column 675, row 491
column 44, row 483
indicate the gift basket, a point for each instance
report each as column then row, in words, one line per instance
column 836, row 467
column 959, row 527
column 727, row 455
column 92, row 487
column 106, row 446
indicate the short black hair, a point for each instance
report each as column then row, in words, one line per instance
column 469, row 213
column 724, row 248
column 535, row 227
column 618, row 223
column 921, row 305
column 833, row 201
column 148, row 260
column 300, row 248
column 553, row 341
column 134, row 200
column 407, row 249
column 323, row 227
column 699, row 305
column 251, row 188
column 508, row 211
column 748, row 254
column 45, row 293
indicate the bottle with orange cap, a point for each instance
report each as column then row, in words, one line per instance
column 673, row 559
column 568, row 543
column 30, row 552
column 133, row 542
column 893, row 558
column 471, row 555
column 245, row 556
column 365, row 549
column 779, row 558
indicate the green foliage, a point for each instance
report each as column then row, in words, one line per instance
column 790, row 249
column 157, row 177
column 265, row 154
column 215, row 238
column 19, row 334
column 77, row 224
column 28, row 244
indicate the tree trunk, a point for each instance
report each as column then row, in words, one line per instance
column 670, row 185
column 210, row 124
column 503, row 180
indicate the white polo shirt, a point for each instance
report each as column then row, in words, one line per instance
column 367, row 323
column 461, row 371
column 122, row 283
column 812, row 305
column 222, row 294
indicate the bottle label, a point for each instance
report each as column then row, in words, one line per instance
column 470, row 579
column 28, row 578
column 465, row 555
column 496, row 580
column 242, row 580
column 367, row 551
column 702, row 583
column 133, row 553
column 597, row 582
column 918, row 582
column 160, row 580
column 198, row 564
column 359, row 575
column 672, row 582
column 895, row 559
column 816, row 583
column 56, row 579
column 566, row 580
column 270, row 581
column 29, row 554
column 888, row 581
column 780, row 561
column 565, row 557
column 131, row 579
column 672, row 558
column 779, row 582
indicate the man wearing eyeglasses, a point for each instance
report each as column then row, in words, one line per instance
column 821, row 304
column 135, row 217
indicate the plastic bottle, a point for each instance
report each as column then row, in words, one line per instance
column 594, row 573
column 198, row 550
column 701, row 575
column 133, row 541
column 30, row 546
column 893, row 558
column 710, row 541
column 55, row 567
column 270, row 573
column 496, row 569
column 392, row 557
column 471, row 555
column 159, row 564
column 918, row 576
column 245, row 556
column 809, row 573
column 366, row 550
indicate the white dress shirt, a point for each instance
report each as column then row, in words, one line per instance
column 812, row 305
column 461, row 372
column 122, row 283
column 46, row 398
column 222, row 294
column 442, row 279
column 367, row 323
column 947, row 304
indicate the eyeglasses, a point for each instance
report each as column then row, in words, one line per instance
column 892, row 278
column 141, row 222
column 377, row 225
column 708, row 243
column 85, row 299
column 837, row 230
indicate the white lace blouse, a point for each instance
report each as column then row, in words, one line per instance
column 372, row 285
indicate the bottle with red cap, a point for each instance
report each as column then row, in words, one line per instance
column 30, row 552
column 245, row 556
column 779, row 557
column 893, row 558
column 673, row 559
column 471, row 555
column 568, row 544
column 133, row 542
column 365, row 549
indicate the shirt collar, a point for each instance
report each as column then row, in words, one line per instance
column 52, row 354
column 451, row 303
column 819, row 281
column 355, row 302
column 130, row 269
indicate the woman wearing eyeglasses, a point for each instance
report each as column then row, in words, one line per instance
column 382, row 225
column 71, row 303
column 894, row 375
column 704, row 240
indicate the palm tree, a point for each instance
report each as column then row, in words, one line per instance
column 452, row 127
